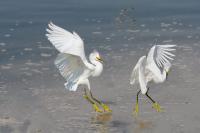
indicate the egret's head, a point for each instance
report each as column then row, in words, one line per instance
column 95, row 56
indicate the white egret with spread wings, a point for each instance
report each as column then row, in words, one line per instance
column 72, row 63
column 153, row 67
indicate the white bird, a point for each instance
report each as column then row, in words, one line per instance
column 153, row 67
column 72, row 63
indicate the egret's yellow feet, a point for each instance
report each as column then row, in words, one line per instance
column 136, row 110
column 97, row 109
column 157, row 107
column 106, row 108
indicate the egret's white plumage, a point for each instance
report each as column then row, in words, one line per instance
column 72, row 63
column 153, row 67
column 71, row 68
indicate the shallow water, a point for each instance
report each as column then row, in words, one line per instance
column 32, row 94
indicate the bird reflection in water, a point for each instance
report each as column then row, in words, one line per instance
column 100, row 122
column 141, row 126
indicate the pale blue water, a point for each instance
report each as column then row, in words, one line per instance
column 32, row 95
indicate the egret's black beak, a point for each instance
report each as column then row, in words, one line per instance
column 99, row 59
column 167, row 73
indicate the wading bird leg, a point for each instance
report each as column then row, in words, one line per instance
column 104, row 106
column 156, row 106
column 136, row 109
column 95, row 107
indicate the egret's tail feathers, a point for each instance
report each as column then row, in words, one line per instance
column 133, row 79
column 132, row 82
column 71, row 86
column 135, row 73
column 141, row 71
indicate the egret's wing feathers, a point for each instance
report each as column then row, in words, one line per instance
column 138, row 74
column 161, row 55
column 71, row 68
column 66, row 42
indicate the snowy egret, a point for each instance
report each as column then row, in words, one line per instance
column 73, row 65
column 153, row 67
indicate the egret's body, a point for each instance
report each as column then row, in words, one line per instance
column 153, row 67
column 73, row 64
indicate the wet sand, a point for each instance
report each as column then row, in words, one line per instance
column 32, row 94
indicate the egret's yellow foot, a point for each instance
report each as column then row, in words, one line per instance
column 136, row 110
column 106, row 107
column 157, row 107
column 96, row 108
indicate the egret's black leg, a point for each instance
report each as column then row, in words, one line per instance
column 138, row 96
column 136, row 109
column 104, row 106
column 87, row 97
column 99, row 102
column 96, row 108
column 150, row 97
column 156, row 106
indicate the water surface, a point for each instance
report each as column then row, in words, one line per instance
column 32, row 94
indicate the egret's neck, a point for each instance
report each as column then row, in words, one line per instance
column 159, row 76
column 98, row 68
column 164, row 76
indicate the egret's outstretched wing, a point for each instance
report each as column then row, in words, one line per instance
column 66, row 42
column 161, row 55
column 138, row 74
column 71, row 67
